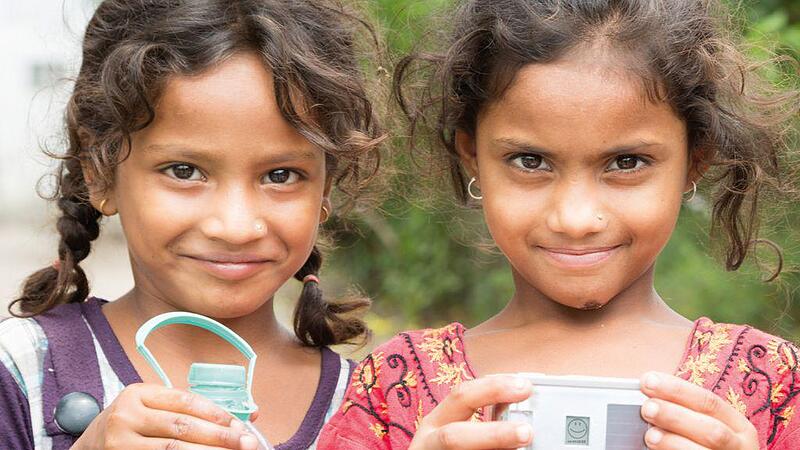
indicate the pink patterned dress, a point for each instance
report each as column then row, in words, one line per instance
column 404, row 379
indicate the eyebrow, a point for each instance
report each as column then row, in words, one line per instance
column 524, row 147
column 209, row 155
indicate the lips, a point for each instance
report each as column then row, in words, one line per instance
column 579, row 257
column 229, row 266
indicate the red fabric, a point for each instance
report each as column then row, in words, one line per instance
column 405, row 378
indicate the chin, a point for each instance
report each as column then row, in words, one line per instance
column 581, row 302
column 227, row 307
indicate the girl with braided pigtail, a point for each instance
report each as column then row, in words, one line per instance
column 217, row 130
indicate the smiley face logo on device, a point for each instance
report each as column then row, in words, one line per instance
column 577, row 430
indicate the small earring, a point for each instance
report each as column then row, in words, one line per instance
column 469, row 190
column 325, row 214
column 102, row 208
column 694, row 191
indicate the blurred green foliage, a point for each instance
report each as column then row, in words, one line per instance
column 421, row 262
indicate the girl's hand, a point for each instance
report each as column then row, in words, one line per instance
column 687, row 417
column 149, row 416
column 448, row 425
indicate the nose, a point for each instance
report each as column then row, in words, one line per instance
column 576, row 209
column 235, row 216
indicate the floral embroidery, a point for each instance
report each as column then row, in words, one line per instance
column 439, row 345
column 743, row 366
column 709, row 343
column 366, row 379
column 736, row 401
column 451, row 374
column 400, row 377
column 781, row 357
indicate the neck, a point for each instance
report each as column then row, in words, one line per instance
column 529, row 307
column 260, row 329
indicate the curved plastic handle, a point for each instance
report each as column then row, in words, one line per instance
column 187, row 318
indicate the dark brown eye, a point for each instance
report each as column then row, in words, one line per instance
column 281, row 176
column 184, row 172
column 529, row 162
column 626, row 162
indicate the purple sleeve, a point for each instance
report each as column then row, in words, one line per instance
column 15, row 418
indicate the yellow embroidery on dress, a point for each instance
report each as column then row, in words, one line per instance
column 782, row 354
column 418, row 420
column 366, row 379
column 378, row 429
column 452, row 374
column 776, row 395
column 346, row 406
column 743, row 367
column 787, row 415
column 699, row 367
column 736, row 401
column 410, row 379
column 436, row 345
column 705, row 364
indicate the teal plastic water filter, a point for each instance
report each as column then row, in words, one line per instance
column 229, row 386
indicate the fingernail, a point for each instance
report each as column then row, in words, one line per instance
column 653, row 436
column 649, row 409
column 524, row 433
column 651, row 380
column 237, row 426
column 248, row 442
column 521, row 384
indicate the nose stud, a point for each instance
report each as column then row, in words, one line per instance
column 260, row 227
column 600, row 217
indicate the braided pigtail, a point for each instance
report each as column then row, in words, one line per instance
column 64, row 281
column 319, row 323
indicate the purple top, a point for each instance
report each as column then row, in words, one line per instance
column 68, row 339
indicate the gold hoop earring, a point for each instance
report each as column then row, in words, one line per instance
column 102, row 208
column 325, row 214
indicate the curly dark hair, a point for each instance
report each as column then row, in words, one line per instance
column 739, row 125
column 131, row 48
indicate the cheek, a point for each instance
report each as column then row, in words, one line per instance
column 512, row 213
column 152, row 215
column 296, row 223
column 649, row 214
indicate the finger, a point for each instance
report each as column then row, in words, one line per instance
column 467, row 397
column 702, row 429
column 178, row 401
column 692, row 396
column 183, row 427
column 174, row 444
column 480, row 436
column 657, row 439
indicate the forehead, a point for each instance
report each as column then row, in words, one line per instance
column 589, row 92
column 232, row 105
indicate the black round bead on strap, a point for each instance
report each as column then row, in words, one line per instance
column 75, row 411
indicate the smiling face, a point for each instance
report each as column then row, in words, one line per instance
column 220, row 197
column 577, row 428
column 581, row 177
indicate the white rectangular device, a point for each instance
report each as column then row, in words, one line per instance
column 580, row 413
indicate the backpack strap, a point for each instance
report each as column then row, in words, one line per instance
column 70, row 366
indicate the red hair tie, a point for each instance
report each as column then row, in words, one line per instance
column 309, row 278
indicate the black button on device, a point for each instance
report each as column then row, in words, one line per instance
column 75, row 411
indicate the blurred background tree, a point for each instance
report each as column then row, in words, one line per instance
column 420, row 262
